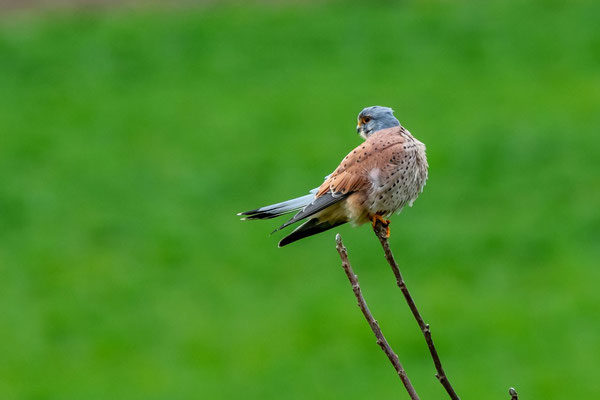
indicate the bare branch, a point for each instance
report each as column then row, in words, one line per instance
column 381, row 232
column 372, row 322
column 513, row 394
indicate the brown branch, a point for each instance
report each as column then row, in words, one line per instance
column 380, row 230
column 513, row 394
column 372, row 322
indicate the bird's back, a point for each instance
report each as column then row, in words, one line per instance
column 386, row 172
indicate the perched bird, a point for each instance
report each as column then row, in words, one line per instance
column 379, row 177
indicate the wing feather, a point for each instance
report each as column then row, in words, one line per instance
column 353, row 172
column 319, row 204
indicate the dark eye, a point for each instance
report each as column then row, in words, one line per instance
column 366, row 120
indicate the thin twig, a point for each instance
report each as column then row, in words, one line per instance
column 513, row 394
column 372, row 322
column 380, row 230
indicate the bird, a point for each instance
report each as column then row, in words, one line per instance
column 382, row 175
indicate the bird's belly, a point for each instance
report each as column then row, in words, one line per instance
column 401, row 187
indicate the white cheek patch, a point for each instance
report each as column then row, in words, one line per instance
column 374, row 177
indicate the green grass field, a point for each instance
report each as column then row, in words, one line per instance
column 130, row 138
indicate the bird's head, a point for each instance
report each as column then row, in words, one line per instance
column 375, row 118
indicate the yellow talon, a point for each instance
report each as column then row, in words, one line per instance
column 385, row 222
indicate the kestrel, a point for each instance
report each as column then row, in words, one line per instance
column 379, row 177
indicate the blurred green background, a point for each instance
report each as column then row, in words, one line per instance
column 130, row 137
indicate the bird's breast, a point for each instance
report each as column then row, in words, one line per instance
column 399, row 182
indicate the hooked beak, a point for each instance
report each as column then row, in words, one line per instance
column 358, row 127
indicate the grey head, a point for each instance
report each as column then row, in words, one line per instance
column 375, row 118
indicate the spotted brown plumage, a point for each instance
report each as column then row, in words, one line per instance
column 379, row 177
column 382, row 175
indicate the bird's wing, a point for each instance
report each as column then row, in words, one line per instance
column 353, row 174
column 278, row 209
column 319, row 204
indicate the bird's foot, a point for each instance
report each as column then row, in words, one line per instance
column 384, row 222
